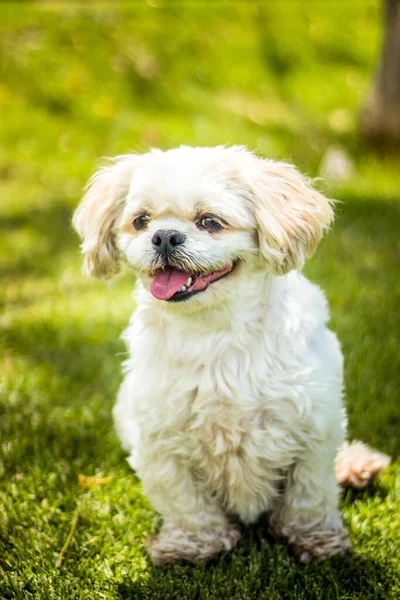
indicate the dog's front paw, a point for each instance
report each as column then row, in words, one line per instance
column 320, row 546
column 176, row 543
column 315, row 543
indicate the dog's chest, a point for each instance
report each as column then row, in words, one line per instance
column 230, row 436
column 216, row 398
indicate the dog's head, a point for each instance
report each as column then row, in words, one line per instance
column 193, row 222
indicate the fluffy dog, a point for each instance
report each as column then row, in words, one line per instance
column 231, row 404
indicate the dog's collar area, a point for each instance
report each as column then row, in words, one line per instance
column 173, row 285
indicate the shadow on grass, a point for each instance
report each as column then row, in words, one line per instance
column 59, row 402
column 82, row 355
column 53, row 234
column 262, row 568
column 265, row 571
column 376, row 490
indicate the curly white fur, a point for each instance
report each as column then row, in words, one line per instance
column 232, row 400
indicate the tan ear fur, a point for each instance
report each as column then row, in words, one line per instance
column 95, row 217
column 291, row 215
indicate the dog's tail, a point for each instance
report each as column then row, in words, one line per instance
column 357, row 465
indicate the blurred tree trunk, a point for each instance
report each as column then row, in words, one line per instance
column 380, row 122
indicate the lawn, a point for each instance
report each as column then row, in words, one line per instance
column 80, row 81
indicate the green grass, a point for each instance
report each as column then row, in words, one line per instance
column 82, row 81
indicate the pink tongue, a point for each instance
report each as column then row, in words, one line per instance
column 166, row 283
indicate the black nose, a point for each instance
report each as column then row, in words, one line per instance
column 166, row 241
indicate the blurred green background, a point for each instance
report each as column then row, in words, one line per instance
column 84, row 80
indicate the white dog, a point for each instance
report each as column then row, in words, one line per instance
column 231, row 404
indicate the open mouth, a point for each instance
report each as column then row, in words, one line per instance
column 174, row 285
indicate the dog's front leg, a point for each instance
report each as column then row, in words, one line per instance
column 194, row 526
column 307, row 514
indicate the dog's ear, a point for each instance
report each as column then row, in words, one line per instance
column 290, row 214
column 96, row 215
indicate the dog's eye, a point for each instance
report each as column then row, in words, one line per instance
column 209, row 223
column 141, row 222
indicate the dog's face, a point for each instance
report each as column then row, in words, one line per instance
column 195, row 222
